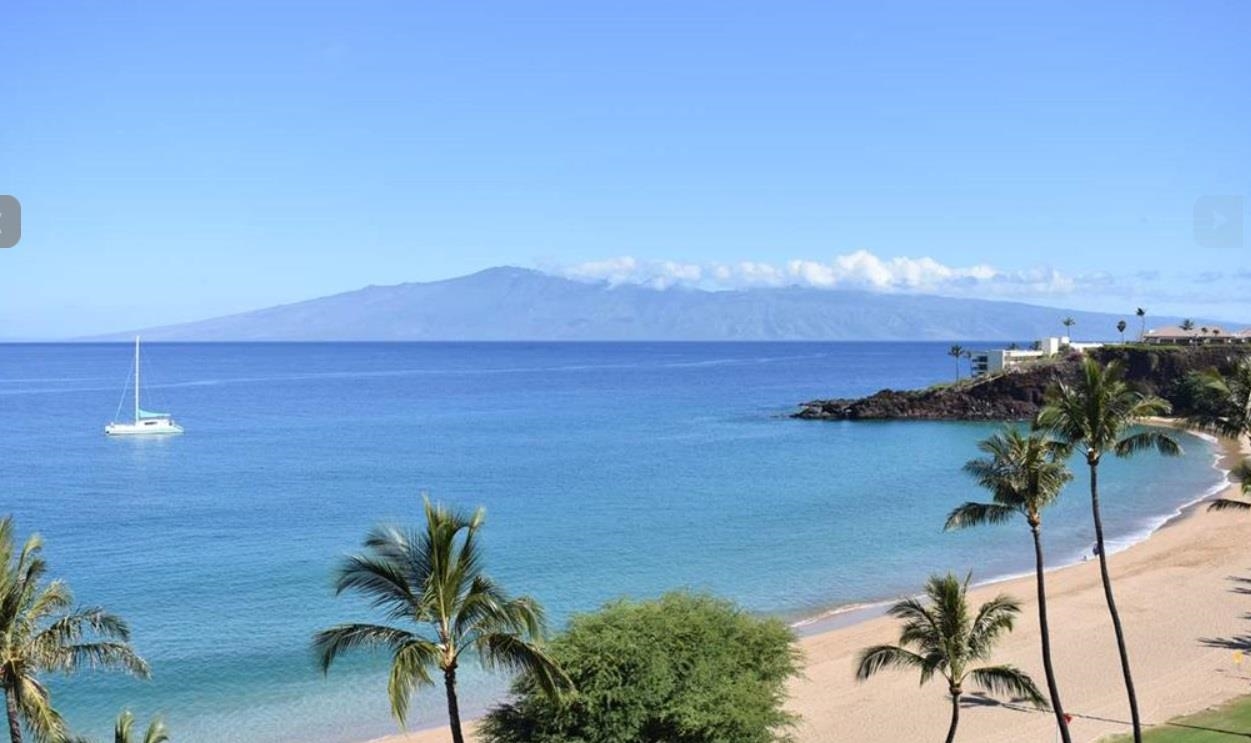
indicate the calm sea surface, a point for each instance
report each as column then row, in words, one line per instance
column 606, row 470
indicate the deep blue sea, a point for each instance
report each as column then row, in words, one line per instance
column 606, row 470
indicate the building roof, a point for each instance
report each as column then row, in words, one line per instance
column 1173, row 331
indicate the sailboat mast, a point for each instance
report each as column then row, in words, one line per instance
column 136, row 379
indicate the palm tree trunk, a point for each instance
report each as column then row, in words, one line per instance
column 955, row 716
column 15, row 722
column 453, row 706
column 1052, row 689
column 1107, row 594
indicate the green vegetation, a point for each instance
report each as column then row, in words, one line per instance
column 942, row 637
column 1223, row 724
column 41, row 633
column 1098, row 413
column 124, row 731
column 1221, row 403
column 682, row 669
column 1025, row 474
column 433, row 578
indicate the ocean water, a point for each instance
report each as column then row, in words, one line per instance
column 606, row 470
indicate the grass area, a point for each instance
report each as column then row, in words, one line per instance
column 1224, row 724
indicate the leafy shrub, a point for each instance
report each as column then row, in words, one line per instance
column 681, row 669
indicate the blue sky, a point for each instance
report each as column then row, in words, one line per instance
column 182, row 160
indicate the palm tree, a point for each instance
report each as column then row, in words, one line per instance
column 1224, row 405
column 943, row 637
column 41, row 633
column 124, row 728
column 1142, row 316
column 1120, row 328
column 1068, row 323
column 1224, row 408
column 1025, row 474
column 1188, row 324
column 956, row 352
column 1099, row 413
column 156, row 732
column 433, row 578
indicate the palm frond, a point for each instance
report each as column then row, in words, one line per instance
column 1002, row 680
column 156, row 732
column 35, row 705
column 1228, row 504
column 994, row 618
column 977, row 514
column 1147, row 440
column 880, row 657
column 1242, row 475
column 511, row 653
column 920, row 626
column 122, row 728
column 55, row 598
column 92, row 621
column 382, row 579
column 410, row 666
column 329, row 644
column 105, row 655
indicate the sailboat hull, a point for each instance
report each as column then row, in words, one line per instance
column 157, row 427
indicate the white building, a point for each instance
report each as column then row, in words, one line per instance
column 1002, row 359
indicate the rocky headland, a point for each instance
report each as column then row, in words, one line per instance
column 1019, row 393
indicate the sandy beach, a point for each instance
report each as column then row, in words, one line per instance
column 1184, row 599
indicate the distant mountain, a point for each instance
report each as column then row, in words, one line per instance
column 504, row 304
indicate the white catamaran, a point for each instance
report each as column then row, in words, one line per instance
column 146, row 423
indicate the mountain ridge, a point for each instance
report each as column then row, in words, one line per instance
column 508, row 303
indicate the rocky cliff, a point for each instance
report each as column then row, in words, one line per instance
column 1017, row 395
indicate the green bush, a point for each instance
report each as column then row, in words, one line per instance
column 681, row 669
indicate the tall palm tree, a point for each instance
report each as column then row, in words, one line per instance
column 1188, row 324
column 433, row 579
column 1120, row 328
column 956, row 352
column 1098, row 413
column 1142, row 316
column 944, row 637
column 41, row 633
column 1068, row 323
column 1224, row 408
column 1025, row 474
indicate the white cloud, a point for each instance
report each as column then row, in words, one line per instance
column 858, row 270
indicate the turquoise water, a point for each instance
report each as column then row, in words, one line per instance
column 606, row 470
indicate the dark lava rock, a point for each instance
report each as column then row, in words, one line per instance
column 1018, row 394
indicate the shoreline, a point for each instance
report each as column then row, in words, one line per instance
column 1225, row 456
column 834, row 633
